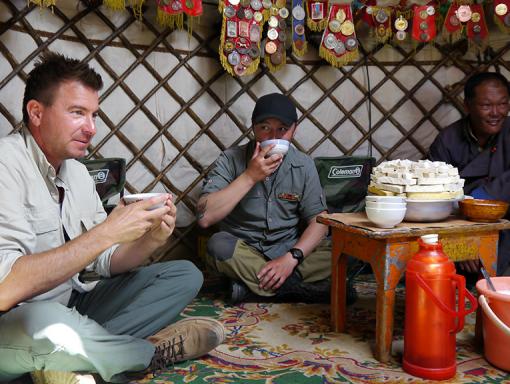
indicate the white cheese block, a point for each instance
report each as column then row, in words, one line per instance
column 389, row 187
column 394, row 180
column 436, row 180
column 425, row 188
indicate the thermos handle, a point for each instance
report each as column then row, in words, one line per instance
column 460, row 282
column 490, row 313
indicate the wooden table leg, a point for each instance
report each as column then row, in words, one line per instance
column 488, row 254
column 384, row 323
column 338, row 276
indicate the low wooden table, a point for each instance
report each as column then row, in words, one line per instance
column 388, row 250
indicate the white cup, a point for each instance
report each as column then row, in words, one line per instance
column 281, row 147
column 129, row 199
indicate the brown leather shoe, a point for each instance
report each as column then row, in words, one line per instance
column 184, row 340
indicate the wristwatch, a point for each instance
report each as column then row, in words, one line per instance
column 297, row 254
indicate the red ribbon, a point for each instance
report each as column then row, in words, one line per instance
column 423, row 35
column 471, row 24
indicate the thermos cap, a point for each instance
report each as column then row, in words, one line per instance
column 430, row 239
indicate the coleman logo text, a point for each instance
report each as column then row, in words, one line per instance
column 99, row 175
column 346, row 171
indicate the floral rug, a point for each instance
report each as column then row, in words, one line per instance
column 293, row 343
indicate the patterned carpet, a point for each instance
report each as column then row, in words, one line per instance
column 292, row 343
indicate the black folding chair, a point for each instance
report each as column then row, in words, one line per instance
column 109, row 174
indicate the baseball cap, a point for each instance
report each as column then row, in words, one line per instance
column 274, row 105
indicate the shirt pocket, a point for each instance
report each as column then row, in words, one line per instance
column 46, row 229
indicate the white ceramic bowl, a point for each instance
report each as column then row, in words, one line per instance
column 386, row 199
column 424, row 211
column 281, row 147
column 385, row 205
column 385, row 218
column 129, row 199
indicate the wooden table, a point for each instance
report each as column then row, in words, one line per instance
column 388, row 250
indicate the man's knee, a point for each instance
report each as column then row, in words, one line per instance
column 221, row 246
column 186, row 271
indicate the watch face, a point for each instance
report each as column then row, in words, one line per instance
column 297, row 254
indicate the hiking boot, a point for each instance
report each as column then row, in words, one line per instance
column 59, row 377
column 185, row 340
column 238, row 292
column 294, row 289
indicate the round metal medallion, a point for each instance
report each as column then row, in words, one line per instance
column 176, row 5
column 273, row 22
column 299, row 44
column 282, row 24
column 229, row 12
column 270, row 47
column 340, row 15
column 239, row 69
column 424, row 25
column 273, row 11
column 245, row 3
column 351, row 44
column 267, row 4
column 477, row 28
column 258, row 17
column 240, row 13
column 454, row 20
column 272, row 34
column 233, row 2
column 256, row 5
column 283, row 12
column 246, row 60
column 234, row 58
column 276, row 58
column 423, row 14
column 282, row 36
column 401, row 24
column 299, row 29
column 254, row 52
column 254, row 33
column 189, row 4
column 431, row 11
column 298, row 12
column 340, row 48
column 475, row 17
column 401, row 35
column 424, row 36
column 228, row 46
column 248, row 14
column 381, row 16
column 463, row 13
column 334, row 26
column 330, row 41
column 501, row 9
column 347, row 28
column 370, row 10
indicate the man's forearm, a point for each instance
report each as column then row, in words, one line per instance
column 130, row 255
column 312, row 236
column 215, row 206
column 34, row 274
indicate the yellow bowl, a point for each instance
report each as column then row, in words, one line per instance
column 485, row 211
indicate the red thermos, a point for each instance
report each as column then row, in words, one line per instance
column 431, row 318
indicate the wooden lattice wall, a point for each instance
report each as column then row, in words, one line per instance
column 169, row 108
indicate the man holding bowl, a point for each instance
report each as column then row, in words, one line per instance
column 261, row 195
column 53, row 225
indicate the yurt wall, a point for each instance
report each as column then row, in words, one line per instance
column 169, row 108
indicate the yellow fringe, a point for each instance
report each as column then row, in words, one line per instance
column 224, row 62
column 271, row 66
column 502, row 27
column 384, row 38
column 137, row 8
column 452, row 37
column 43, row 3
column 253, row 67
column 300, row 52
column 338, row 61
column 316, row 26
column 167, row 20
column 116, row 5
column 221, row 5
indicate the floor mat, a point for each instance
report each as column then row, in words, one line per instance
column 293, row 343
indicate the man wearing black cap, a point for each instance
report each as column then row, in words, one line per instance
column 259, row 202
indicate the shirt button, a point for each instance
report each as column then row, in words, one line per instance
column 267, row 178
column 270, row 220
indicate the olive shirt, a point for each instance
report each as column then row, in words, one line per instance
column 31, row 218
column 268, row 216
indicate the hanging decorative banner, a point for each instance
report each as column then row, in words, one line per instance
column 452, row 27
column 382, row 23
column 502, row 14
column 275, row 55
column 299, row 44
column 476, row 29
column 43, row 3
column 241, row 31
column 171, row 12
column 339, row 45
column 401, row 24
column 317, row 12
column 366, row 13
column 424, row 23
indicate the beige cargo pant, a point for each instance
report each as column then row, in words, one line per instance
column 232, row 257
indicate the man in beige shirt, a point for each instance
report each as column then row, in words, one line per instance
column 52, row 226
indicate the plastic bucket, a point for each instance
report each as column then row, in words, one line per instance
column 496, row 321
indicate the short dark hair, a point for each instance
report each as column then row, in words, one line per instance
column 50, row 71
column 483, row 77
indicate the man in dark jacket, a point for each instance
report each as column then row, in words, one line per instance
column 479, row 146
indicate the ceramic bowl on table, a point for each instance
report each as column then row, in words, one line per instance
column 485, row 211
column 385, row 218
column 385, row 199
column 384, row 205
column 281, row 147
column 426, row 211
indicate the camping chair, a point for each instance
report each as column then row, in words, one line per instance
column 345, row 182
column 109, row 174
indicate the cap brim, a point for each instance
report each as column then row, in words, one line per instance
column 285, row 120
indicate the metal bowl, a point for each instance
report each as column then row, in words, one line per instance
column 424, row 211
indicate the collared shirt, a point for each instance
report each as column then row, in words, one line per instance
column 470, row 135
column 31, row 218
column 268, row 216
